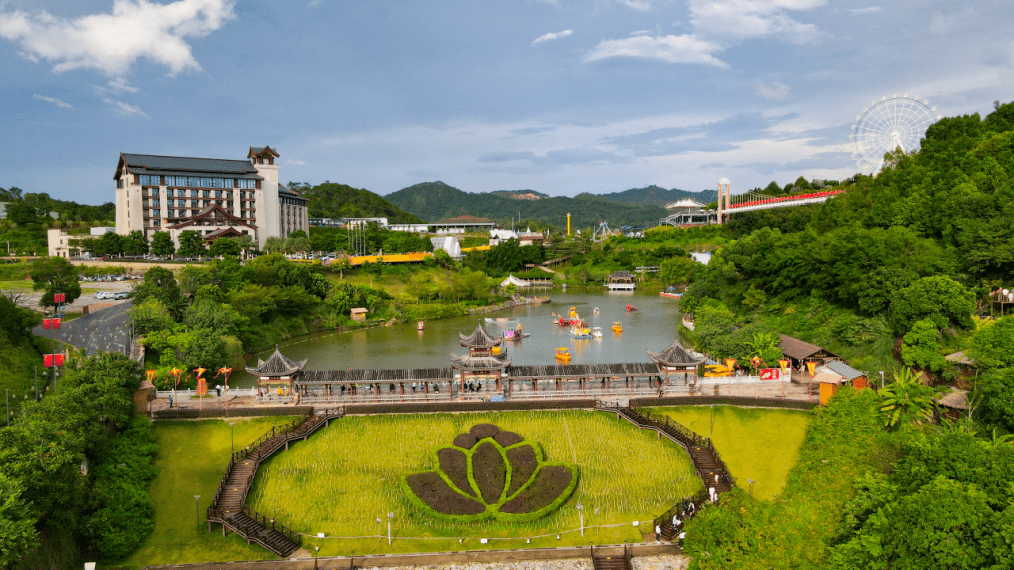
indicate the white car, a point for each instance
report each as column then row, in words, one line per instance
column 104, row 295
column 120, row 295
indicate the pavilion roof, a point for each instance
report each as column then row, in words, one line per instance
column 798, row 349
column 277, row 365
column 470, row 363
column 478, row 339
column 676, row 355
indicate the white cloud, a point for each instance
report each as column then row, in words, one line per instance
column 670, row 49
column 120, row 85
column 552, row 36
column 941, row 23
column 639, row 5
column 717, row 24
column 867, row 10
column 294, row 161
column 125, row 109
column 111, row 43
column 54, row 101
column 778, row 91
column 733, row 20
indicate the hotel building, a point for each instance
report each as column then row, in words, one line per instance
column 214, row 197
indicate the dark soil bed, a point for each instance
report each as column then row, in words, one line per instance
column 454, row 464
column 433, row 491
column 523, row 461
column 489, row 472
column 550, row 483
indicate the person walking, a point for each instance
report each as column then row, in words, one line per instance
column 658, row 533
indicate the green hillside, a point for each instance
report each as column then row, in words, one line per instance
column 434, row 201
column 658, row 196
column 332, row 200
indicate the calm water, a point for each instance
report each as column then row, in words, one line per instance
column 652, row 327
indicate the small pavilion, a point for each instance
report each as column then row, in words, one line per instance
column 677, row 360
column 483, row 361
column 621, row 281
column 277, row 372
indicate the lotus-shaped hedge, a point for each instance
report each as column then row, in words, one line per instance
column 489, row 473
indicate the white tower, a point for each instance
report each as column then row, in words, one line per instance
column 724, row 198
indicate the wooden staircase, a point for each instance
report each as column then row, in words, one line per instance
column 707, row 464
column 611, row 558
column 229, row 508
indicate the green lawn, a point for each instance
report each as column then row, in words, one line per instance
column 755, row 443
column 192, row 458
column 346, row 476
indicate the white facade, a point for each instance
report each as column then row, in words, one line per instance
column 215, row 197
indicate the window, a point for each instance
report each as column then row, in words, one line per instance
column 228, row 195
column 193, row 181
column 207, row 193
column 170, row 213
column 150, row 180
column 218, row 193
column 193, row 203
column 169, row 192
column 247, row 184
column 154, row 202
column 156, row 222
column 181, row 203
column 119, row 183
column 206, row 183
column 229, row 204
column 154, row 213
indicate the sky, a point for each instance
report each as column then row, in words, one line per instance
column 557, row 96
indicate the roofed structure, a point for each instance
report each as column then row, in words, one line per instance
column 801, row 350
column 479, row 339
column 844, row 370
column 676, row 356
column 184, row 166
column 277, row 365
column 479, row 363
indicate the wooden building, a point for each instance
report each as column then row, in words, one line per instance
column 484, row 361
column 621, row 281
column 799, row 353
column 675, row 359
column 277, row 374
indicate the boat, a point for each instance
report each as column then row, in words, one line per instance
column 597, row 332
column 580, row 331
column 573, row 312
column 515, row 335
column 596, row 311
column 617, row 327
column 563, row 355
column 495, row 351
column 669, row 295
column 420, row 326
column 631, row 308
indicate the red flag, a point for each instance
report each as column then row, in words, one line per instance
column 47, row 361
column 47, row 323
column 59, row 359
column 56, row 323
column 59, row 297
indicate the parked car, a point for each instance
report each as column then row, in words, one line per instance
column 104, row 295
column 121, row 294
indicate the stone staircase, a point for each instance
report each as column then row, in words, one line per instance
column 229, row 508
column 611, row 558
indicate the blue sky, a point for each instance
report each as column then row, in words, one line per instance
column 559, row 96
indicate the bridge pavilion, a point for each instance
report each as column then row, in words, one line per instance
column 277, row 372
column 675, row 359
column 484, row 360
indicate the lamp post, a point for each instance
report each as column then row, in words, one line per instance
column 389, row 515
column 751, row 486
column 881, row 379
column 580, row 514
column 712, row 432
column 232, row 436
column 379, row 529
column 197, row 509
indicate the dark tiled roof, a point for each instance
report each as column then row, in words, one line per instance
column 795, row 348
column 221, row 214
column 621, row 275
column 675, row 355
column 184, row 166
column 277, row 365
column 844, row 370
column 258, row 150
column 469, row 363
column 478, row 339
column 283, row 190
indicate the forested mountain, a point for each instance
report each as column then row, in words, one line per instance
column 332, row 200
column 520, row 194
column 44, row 204
column 658, row 196
column 434, row 201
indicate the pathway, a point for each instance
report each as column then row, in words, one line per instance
column 106, row 329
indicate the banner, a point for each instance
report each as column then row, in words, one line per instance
column 730, row 363
column 59, row 297
column 47, row 361
column 756, row 361
column 784, row 364
column 150, row 375
column 202, row 387
column 769, row 374
column 811, row 366
column 47, row 324
column 58, row 359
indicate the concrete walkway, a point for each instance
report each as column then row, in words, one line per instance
column 105, row 329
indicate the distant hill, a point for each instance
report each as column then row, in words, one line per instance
column 520, row 194
column 331, row 200
column 658, row 196
column 436, row 200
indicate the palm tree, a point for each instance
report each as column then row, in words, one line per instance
column 906, row 399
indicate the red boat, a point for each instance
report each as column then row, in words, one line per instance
column 631, row 308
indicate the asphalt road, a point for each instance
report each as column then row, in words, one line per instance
column 105, row 329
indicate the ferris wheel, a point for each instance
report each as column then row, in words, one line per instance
column 889, row 124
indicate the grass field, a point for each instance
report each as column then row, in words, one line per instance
column 755, row 443
column 346, row 476
column 192, row 458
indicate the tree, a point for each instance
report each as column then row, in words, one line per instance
column 997, row 390
column 16, row 522
column 159, row 283
column 55, row 275
column 150, row 315
column 906, row 399
column 162, row 244
column 993, row 344
column 505, row 256
column 111, row 243
column 765, row 347
column 191, row 244
column 274, row 244
column 22, row 214
column 225, row 247
column 207, row 314
column 135, row 243
column 939, row 298
column 921, row 347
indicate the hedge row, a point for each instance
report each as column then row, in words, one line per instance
column 188, row 414
column 722, row 401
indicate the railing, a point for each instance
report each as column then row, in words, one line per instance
column 265, row 521
column 665, row 519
